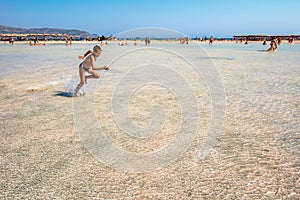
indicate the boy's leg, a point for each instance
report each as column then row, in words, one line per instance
column 79, row 86
column 94, row 73
column 82, row 81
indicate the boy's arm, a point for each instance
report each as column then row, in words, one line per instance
column 98, row 68
column 101, row 68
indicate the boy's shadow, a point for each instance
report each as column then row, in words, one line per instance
column 63, row 94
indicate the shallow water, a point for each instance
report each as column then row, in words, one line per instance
column 254, row 156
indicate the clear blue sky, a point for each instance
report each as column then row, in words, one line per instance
column 220, row 18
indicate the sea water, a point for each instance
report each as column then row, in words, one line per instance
column 64, row 60
column 24, row 57
column 30, row 59
column 261, row 89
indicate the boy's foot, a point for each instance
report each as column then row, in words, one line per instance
column 76, row 95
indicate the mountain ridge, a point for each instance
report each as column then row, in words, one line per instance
column 72, row 32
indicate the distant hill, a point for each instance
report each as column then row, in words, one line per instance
column 9, row 30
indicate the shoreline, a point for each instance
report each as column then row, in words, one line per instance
column 42, row 43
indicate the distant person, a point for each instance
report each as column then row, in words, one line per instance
column 88, row 65
column 11, row 41
column 279, row 40
column 291, row 40
column 264, row 42
column 36, row 40
column 273, row 45
column 211, row 40
column 147, row 41
column 187, row 40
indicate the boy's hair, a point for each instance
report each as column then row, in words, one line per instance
column 97, row 48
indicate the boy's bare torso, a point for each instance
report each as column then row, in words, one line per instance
column 89, row 62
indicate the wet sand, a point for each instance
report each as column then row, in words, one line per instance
column 255, row 157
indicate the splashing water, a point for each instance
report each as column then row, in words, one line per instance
column 71, row 84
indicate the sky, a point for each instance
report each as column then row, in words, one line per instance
column 219, row 18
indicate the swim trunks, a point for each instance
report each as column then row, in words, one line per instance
column 83, row 67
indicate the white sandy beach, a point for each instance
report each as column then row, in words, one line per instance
column 44, row 155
